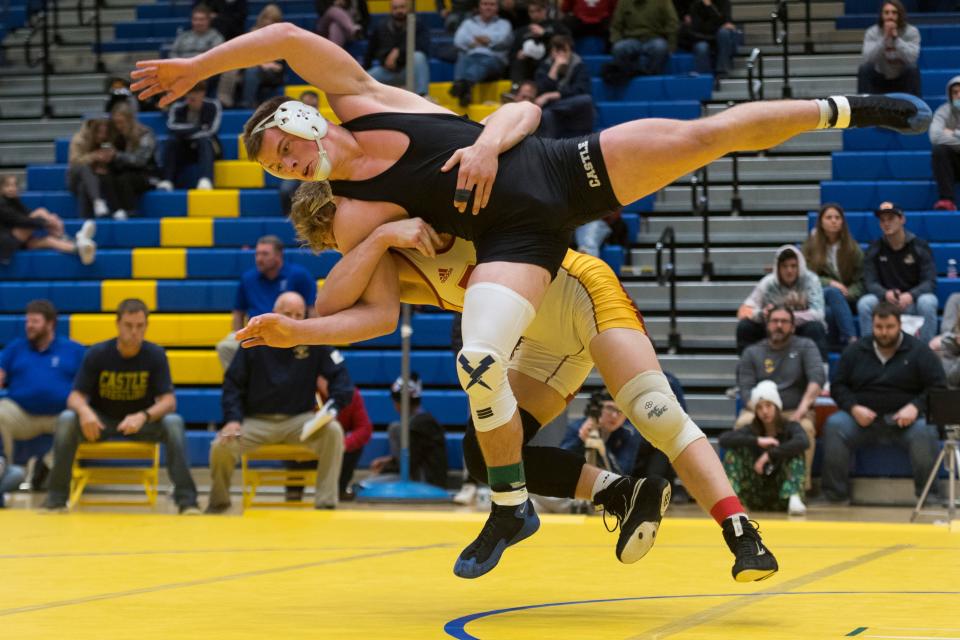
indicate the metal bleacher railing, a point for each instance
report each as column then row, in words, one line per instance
column 665, row 274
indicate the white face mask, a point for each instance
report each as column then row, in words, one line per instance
column 956, row 103
column 302, row 121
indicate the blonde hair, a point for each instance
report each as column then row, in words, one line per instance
column 312, row 215
column 270, row 14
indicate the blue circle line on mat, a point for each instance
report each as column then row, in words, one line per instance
column 456, row 628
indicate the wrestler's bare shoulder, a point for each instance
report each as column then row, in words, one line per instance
column 381, row 99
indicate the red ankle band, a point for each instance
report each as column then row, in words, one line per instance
column 725, row 508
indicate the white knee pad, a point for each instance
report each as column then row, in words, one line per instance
column 651, row 406
column 494, row 319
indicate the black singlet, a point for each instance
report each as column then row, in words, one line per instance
column 544, row 188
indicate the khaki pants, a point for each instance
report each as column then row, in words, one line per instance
column 258, row 430
column 17, row 424
column 807, row 422
column 227, row 349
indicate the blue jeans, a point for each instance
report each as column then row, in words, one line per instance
column 726, row 48
column 474, row 68
column 567, row 117
column 168, row 431
column 12, row 476
column 590, row 237
column 925, row 306
column 398, row 78
column 839, row 317
column 643, row 57
column 181, row 151
column 842, row 435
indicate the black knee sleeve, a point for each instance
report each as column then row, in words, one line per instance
column 550, row 471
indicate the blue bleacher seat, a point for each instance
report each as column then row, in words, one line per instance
column 867, row 194
column 613, row 113
column 869, row 18
column 882, row 140
column 655, row 88
column 881, row 165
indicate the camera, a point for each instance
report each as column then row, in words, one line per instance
column 769, row 469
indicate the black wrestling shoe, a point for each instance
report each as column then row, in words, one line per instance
column 506, row 526
column 638, row 505
column 900, row 112
column 754, row 561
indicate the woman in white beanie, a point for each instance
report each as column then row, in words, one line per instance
column 764, row 459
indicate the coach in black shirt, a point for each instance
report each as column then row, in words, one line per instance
column 123, row 389
column 881, row 387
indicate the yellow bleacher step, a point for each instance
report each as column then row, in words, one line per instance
column 383, row 6
column 159, row 263
column 237, row 174
column 113, row 292
column 166, row 329
column 195, row 367
column 484, row 92
column 186, row 232
column 213, row 203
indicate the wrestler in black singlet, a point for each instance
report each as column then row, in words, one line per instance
column 543, row 190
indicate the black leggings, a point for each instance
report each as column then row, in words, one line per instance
column 550, row 471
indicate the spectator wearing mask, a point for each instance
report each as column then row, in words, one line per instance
column 890, row 52
column 483, row 42
column 708, row 31
column 38, row 229
column 834, row 255
column 899, row 268
column 37, row 373
column 764, row 458
column 530, row 42
column 945, row 140
column 563, row 92
column 123, row 390
column 881, row 387
column 386, row 57
column 793, row 286
column 428, row 444
column 133, row 164
column 269, row 398
column 193, row 124
column 947, row 344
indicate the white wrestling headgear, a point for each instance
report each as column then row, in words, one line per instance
column 305, row 122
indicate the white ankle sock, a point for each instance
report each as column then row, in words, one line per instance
column 509, row 498
column 834, row 113
column 604, row 480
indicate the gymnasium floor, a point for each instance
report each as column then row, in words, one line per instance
column 380, row 573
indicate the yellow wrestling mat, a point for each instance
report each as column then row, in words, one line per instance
column 388, row 574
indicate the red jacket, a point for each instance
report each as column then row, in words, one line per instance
column 590, row 11
column 356, row 423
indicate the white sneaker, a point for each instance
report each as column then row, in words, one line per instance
column 86, row 250
column 467, row 494
column 120, row 214
column 204, row 184
column 796, row 507
column 100, row 208
column 164, row 185
column 87, row 230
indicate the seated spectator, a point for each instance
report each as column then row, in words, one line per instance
column 588, row 17
column 229, row 16
column 530, row 42
column 605, row 431
column 482, row 41
column 890, row 52
column 341, row 21
column 899, row 269
column 193, row 124
column 89, row 178
column 259, row 288
column 764, row 457
column 134, row 165
column 459, row 11
column 269, row 398
column 564, row 92
column 123, row 390
column 945, row 140
column 591, row 237
column 24, row 227
column 200, row 39
column 642, row 32
column 386, row 57
column 794, row 365
column 833, row 254
column 881, row 387
column 947, row 344
column 428, row 444
column 37, row 373
column 11, row 476
column 708, row 31
column 793, row 286
column 265, row 80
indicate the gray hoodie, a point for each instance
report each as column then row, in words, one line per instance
column 903, row 50
column 946, row 116
column 807, row 288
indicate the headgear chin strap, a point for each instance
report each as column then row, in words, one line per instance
column 305, row 122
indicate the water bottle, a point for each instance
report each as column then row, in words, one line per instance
column 951, row 268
